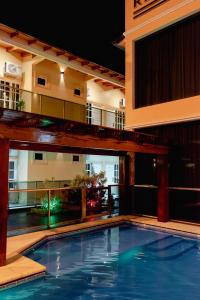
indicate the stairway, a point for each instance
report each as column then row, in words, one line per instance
column 168, row 247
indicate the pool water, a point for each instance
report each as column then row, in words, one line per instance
column 125, row 262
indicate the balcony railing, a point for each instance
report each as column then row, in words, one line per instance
column 50, row 106
column 52, row 207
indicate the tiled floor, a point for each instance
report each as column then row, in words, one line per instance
column 19, row 267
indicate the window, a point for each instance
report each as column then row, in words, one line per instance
column 76, row 158
column 12, row 174
column 77, row 92
column 88, row 169
column 89, row 113
column 93, row 115
column 38, row 156
column 119, row 119
column 116, row 173
column 41, row 81
column 9, row 94
column 108, row 118
column 12, row 170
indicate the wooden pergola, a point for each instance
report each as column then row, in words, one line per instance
column 27, row 131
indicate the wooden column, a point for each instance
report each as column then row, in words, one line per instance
column 131, row 168
column 126, row 180
column 122, row 188
column 83, row 203
column 4, row 159
column 163, row 202
column 131, row 180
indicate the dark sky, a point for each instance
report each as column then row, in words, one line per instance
column 70, row 24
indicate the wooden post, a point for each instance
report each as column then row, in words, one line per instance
column 131, row 180
column 110, row 204
column 122, row 197
column 4, row 160
column 83, row 203
column 126, row 180
column 131, row 168
column 124, row 183
column 163, row 202
column 49, row 208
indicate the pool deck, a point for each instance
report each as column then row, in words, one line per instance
column 20, row 268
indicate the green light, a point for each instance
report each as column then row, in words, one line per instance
column 47, row 122
column 55, row 204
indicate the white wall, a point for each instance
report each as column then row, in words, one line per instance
column 6, row 56
column 22, row 167
column 57, row 165
column 103, row 96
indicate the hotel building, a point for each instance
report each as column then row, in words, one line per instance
column 162, row 47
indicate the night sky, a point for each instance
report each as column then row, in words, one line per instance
column 70, row 26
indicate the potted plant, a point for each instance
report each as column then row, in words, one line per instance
column 20, row 105
column 95, row 196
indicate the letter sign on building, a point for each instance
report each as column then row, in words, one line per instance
column 143, row 6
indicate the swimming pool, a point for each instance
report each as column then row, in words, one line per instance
column 124, row 262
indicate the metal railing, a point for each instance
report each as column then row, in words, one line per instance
column 37, row 184
column 18, row 99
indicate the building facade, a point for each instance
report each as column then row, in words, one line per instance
column 39, row 78
column 163, row 98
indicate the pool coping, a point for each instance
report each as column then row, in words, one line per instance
column 20, row 269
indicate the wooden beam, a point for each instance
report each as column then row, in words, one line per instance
column 61, row 149
column 120, row 78
column 163, row 202
column 95, row 67
column 33, row 41
column 4, row 158
column 69, row 138
column 83, row 63
column 113, row 75
column 107, row 84
column 59, row 53
column 71, row 57
column 25, row 54
column 10, row 49
column 104, row 71
column 13, row 34
column 98, row 80
column 46, row 48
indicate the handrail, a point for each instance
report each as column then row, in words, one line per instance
column 29, row 96
column 41, row 190
column 184, row 188
column 151, row 186
column 97, row 188
column 178, row 188
column 60, row 99
column 83, row 203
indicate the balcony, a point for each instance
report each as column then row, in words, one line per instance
column 18, row 99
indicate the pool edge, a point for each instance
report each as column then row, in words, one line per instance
column 145, row 222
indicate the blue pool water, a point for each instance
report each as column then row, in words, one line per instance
column 120, row 263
